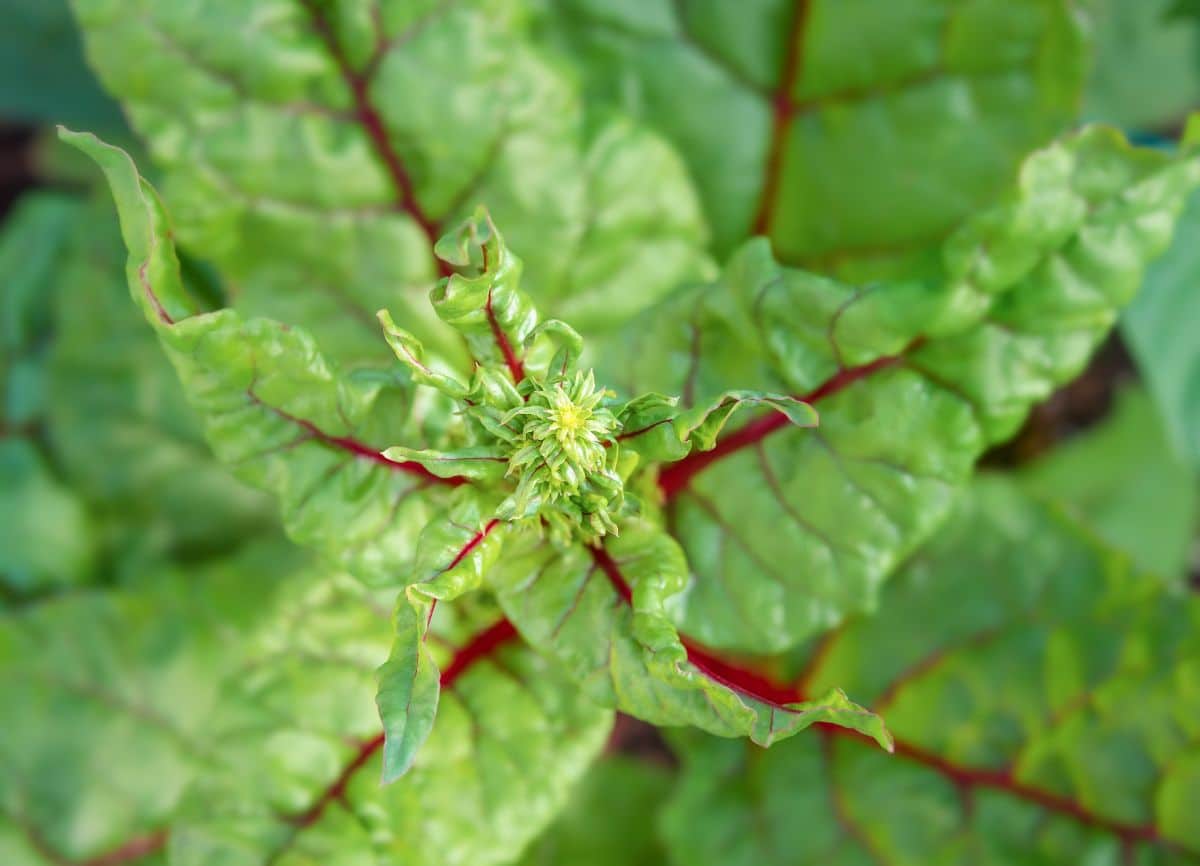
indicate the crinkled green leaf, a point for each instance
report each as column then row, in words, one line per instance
column 47, row 538
column 1126, row 484
column 275, row 410
column 318, row 154
column 601, row 614
column 1147, row 71
column 1045, row 703
column 787, row 530
column 117, row 419
column 454, row 553
column 703, row 424
column 107, row 703
column 852, row 135
column 609, row 820
column 297, row 777
column 1160, row 327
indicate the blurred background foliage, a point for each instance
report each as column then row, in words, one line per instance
column 106, row 481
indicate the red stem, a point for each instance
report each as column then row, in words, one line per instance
column 372, row 123
column 675, row 477
column 515, row 368
column 759, row 687
column 783, row 110
column 357, row 448
column 337, row 788
column 1003, row 780
column 479, row 647
column 475, row 541
column 741, row 680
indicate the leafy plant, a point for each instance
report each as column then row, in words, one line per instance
column 441, row 279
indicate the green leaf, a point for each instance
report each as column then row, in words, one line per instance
column 117, row 420
column 31, row 242
column 455, row 552
column 318, row 156
column 107, row 701
column 1147, row 72
column 43, row 76
column 297, row 776
column 855, row 137
column 1044, row 700
column 1161, row 326
column 609, row 819
column 702, row 425
column 275, row 410
column 1124, row 482
column 786, row 531
column 601, row 614
column 47, row 538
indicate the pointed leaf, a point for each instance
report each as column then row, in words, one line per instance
column 298, row 774
column 703, row 424
column 120, row 426
column 454, row 554
column 275, row 410
column 602, row 615
column 480, row 463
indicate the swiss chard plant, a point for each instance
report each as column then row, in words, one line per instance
column 609, row 366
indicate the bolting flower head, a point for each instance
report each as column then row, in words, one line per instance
column 563, row 457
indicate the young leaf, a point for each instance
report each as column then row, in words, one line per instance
column 454, row 553
column 275, row 410
column 318, row 156
column 783, row 123
column 786, row 532
column 1043, row 699
column 297, row 776
column 600, row 612
column 107, row 701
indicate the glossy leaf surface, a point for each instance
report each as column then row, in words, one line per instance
column 854, row 137
column 315, row 157
column 274, row 409
column 788, row 530
column 1043, row 697
column 600, row 613
column 299, row 776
